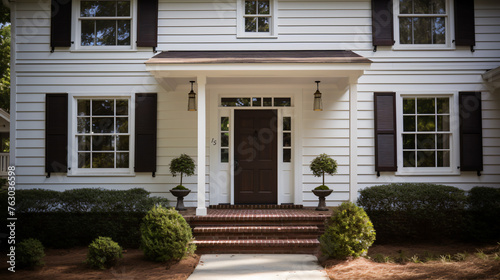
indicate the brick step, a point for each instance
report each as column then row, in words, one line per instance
column 256, row 232
column 258, row 246
column 252, row 206
column 256, row 220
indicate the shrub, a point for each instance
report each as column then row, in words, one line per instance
column 30, row 253
column 415, row 210
column 349, row 232
column 484, row 214
column 165, row 235
column 183, row 165
column 76, row 217
column 323, row 164
column 103, row 253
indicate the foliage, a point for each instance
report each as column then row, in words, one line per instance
column 415, row 210
column 103, row 253
column 165, row 235
column 29, row 253
column 323, row 164
column 322, row 188
column 4, row 12
column 183, row 165
column 5, row 67
column 76, row 217
column 180, row 187
column 484, row 214
column 349, row 232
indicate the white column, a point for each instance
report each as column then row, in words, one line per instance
column 353, row 139
column 201, row 210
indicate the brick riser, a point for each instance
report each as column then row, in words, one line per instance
column 256, row 232
column 288, row 246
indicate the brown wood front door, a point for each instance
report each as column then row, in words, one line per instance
column 255, row 155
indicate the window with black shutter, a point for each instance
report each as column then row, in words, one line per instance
column 56, row 133
column 385, row 131
column 145, row 132
column 471, row 137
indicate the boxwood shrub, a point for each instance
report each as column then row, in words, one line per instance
column 416, row 211
column 76, row 217
column 484, row 214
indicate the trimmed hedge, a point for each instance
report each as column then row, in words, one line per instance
column 402, row 211
column 484, row 214
column 76, row 217
column 417, row 211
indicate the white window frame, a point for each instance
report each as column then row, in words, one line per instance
column 454, row 139
column 450, row 29
column 73, row 169
column 240, row 21
column 77, row 30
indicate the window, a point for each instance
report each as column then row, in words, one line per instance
column 287, row 139
column 426, row 135
column 422, row 22
column 105, row 22
column 257, row 18
column 256, row 102
column 224, row 139
column 103, row 133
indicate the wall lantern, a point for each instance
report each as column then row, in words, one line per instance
column 318, row 104
column 192, row 99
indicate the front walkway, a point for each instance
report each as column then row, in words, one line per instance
column 261, row 267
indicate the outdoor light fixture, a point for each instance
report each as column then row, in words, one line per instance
column 192, row 99
column 318, row 104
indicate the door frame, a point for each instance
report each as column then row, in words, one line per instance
column 217, row 183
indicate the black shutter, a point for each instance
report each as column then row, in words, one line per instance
column 385, row 131
column 382, row 23
column 60, row 24
column 464, row 23
column 56, row 133
column 147, row 23
column 145, row 132
column 471, row 132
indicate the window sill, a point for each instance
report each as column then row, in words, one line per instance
column 422, row 48
column 427, row 173
column 109, row 174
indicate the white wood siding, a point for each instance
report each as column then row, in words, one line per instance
column 211, row 25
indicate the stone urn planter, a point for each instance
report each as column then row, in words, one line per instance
column 321, row 194
column 180, row 194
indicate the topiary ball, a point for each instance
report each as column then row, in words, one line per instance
column 103, row 253
column 349, row 233
column 165, row 235
column 29, row 253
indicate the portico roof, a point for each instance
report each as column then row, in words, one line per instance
column 293, row 56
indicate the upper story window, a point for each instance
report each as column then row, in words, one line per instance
column 257, row 18
column 422, row 22
column 105, row 22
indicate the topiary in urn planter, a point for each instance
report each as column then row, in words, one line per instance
column 319, row 166
column 183, row 165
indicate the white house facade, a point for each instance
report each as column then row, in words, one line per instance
column 409, row 93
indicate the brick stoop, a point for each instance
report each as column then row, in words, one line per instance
column 258, row 230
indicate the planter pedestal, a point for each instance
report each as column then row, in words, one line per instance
column 180, row 194
column 321, row 194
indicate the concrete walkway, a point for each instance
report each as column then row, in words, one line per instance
column 261, row 267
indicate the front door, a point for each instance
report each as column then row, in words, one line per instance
column 255, row 156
